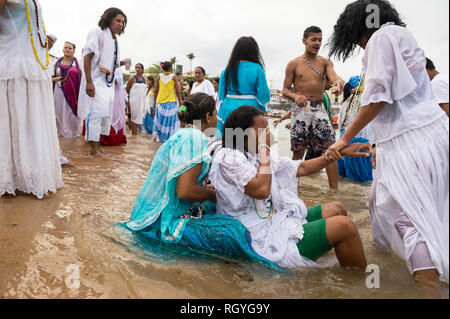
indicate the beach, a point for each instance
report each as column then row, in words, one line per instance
column 67, row 245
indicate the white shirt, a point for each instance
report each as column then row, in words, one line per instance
column 102, row 104
column 205, row 87
column 16, row 52
column 274, row 238
column 394, row 67
column 440, row 88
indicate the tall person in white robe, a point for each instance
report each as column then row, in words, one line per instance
column 29, row 145
column 100, row 59
column 410, row 199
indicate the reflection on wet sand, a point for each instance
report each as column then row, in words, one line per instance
column 43, row 242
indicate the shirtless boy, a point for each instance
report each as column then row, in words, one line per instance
column 310, row 124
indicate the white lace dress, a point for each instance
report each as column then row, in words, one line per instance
column 29, row 143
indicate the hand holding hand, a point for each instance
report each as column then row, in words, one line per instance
column 354, row 150
column 334, row 150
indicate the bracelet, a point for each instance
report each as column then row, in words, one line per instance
column 345, row 139
column 265, row 146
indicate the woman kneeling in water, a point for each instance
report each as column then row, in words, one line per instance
column 174, row 205
column 257, row 187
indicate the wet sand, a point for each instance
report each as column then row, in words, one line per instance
column 41, row 241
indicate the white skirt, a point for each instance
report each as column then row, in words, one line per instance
column 412, row 178
column 67, row 123
column 28, row 138
column 137, row 103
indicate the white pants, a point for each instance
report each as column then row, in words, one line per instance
column 97, row 127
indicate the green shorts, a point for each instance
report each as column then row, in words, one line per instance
column 314, row 243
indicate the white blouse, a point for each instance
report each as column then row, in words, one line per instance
column 16, row 52
column 273, row 238
column 394, row 67
column 205, row 87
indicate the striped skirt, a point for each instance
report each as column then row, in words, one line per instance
column 166, row 121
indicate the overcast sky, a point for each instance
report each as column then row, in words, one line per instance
column 160, row 29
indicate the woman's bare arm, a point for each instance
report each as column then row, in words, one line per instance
column 188, row 189
column 130, row 84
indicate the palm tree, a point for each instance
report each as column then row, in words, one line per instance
column 173, row 60
column 191, row 57
column 154, row 70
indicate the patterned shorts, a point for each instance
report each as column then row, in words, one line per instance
column 311, row 128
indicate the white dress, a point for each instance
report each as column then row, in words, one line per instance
column 205, row 87
column 101, row 105
column 28, row 138
column 410, row 199
column 275, row 238
column 138, row 94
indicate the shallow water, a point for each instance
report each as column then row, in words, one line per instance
column 44, row 242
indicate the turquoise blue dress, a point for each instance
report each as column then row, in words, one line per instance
column 158, row 209
column 253, row 90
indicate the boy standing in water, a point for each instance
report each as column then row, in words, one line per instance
column 310, row 125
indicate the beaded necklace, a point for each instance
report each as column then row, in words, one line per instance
column 260, row 213
column 30, row 30
column 109, row 83
column 323, row 76
column 62, row 70
column 37, row 25
column 189, row 214
column 357, row 95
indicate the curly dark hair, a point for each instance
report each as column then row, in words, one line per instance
column 198, row 105
column 246, row 48
column 241, row 118
column 108, row 15
column 351, row 26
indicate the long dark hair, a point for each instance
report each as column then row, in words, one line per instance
column 351, row 26
column 110, row 14
column 246, row 48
